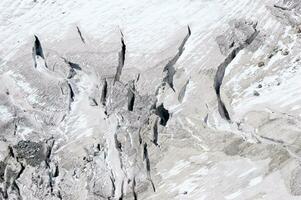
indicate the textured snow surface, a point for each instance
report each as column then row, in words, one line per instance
column 140, row 99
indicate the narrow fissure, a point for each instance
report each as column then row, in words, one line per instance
column 72, row 64
column 131, row 97
column 56, row 171
column 134, row 189
column 220, row 73
column 118, row 146
column 14, row 186
column 104, row 92
column 93, row 101
column 71, row 95
column 281, row 7
column 147, row 163
column 37, row 50
column 51, row 175
column 80, row 34
column 113, row 184
column 121, row 61
column 15, row 129
column 169, row 67
column 182, row 92
column 49, row 151
column 155, row 132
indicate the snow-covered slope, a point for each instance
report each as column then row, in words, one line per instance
column 175, row 99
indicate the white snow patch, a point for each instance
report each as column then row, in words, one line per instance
column 5, row 115
column 247, row 172
column 233, row 195
column 255, row 181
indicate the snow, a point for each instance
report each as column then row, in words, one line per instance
column 233, row 195
column 255, row 181
column 197, row 163
column 5, row 114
